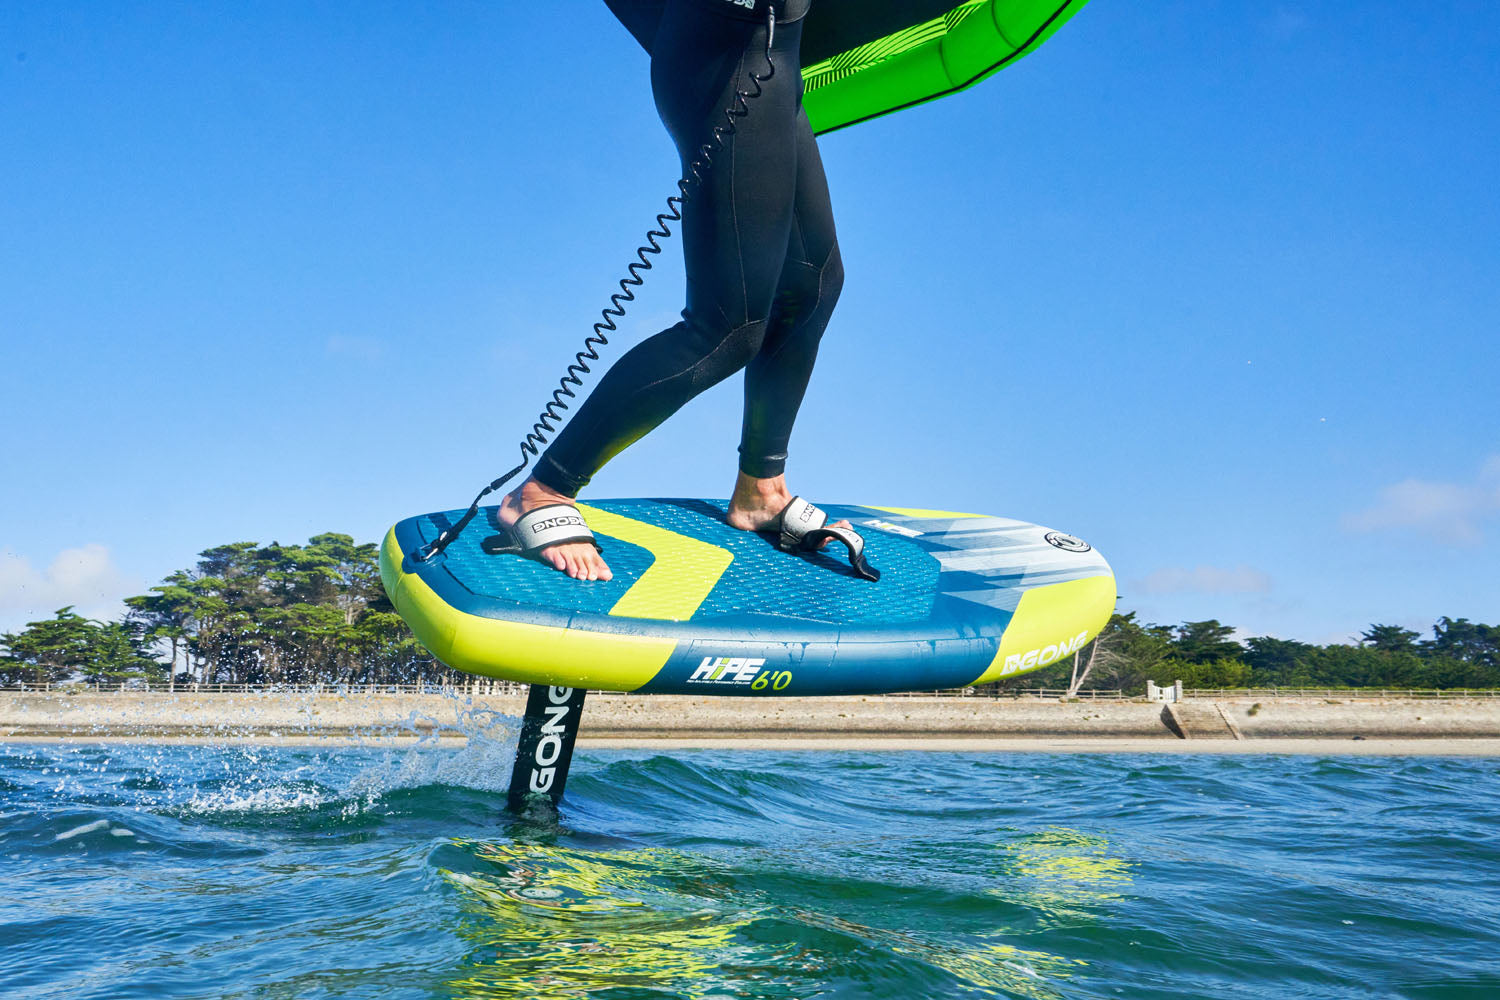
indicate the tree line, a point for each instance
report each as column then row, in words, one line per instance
column 300, row 614
column 245, row 613
column 1206, row 654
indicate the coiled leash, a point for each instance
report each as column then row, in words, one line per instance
column 553, row 411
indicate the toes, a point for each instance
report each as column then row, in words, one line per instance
column 581, row 562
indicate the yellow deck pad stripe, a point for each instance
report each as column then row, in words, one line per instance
column 919, row 512
column 682, row 576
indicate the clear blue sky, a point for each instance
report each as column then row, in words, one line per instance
column 1210, row 284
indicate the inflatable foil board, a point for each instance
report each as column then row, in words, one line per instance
column 697, row 607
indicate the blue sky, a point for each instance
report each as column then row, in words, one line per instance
column 1210, row 284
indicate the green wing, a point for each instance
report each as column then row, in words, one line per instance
column 866, row 58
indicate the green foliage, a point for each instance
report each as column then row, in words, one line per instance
column 1225, row 672
column 1204, row 642
column 69, row 645
column 286, row 614
column 1271, row 657
column 244, row 613
column 1465, row 641
column 1461, row 654
column 50, row 649
column 1390, row 638
column 1142, row 647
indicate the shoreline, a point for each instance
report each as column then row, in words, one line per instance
column 1367, row 726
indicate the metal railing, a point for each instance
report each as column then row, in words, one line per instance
column 487, row 687
column 1337, row 693
column 993, row 693
column 477, row 685
column 473, row 686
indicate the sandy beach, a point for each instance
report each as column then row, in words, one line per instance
column 1281, row 725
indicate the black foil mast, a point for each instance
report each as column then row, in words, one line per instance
column 545, row 747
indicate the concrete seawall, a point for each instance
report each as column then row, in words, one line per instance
column 875, row 721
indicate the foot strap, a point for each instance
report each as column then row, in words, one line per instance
column 535, row 530
column 804, row 528
column 796, row 519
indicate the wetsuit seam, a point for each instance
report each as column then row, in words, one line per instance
column 798, row 228
column 733, row 204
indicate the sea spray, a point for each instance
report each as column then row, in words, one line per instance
column 414, row 752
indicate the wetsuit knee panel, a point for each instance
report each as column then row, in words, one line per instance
column 732, row 351
column 806, row 290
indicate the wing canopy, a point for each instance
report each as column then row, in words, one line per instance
column 866, row 58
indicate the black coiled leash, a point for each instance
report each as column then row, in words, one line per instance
column 553, row 411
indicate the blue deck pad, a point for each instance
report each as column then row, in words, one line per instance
column 815, row 595
column 511, row 587
column 810, row 587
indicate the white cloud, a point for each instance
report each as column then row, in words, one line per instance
column 1451, row 513
column 85, row 577
column 1205, row 580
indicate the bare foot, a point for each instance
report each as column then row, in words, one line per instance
column 756, row 502
column 580, row 560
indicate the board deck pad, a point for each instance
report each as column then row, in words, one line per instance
column 696, row 606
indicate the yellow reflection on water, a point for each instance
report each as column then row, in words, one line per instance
column 567, row 923
column 1068, row 875
column 550, row 922
column 1001, row 967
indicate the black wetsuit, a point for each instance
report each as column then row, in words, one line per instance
column 762, row 260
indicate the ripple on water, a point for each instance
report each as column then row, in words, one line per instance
column 363, row 872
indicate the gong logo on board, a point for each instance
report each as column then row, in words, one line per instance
column 1042, row 655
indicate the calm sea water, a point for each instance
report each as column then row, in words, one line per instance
column 179, row 871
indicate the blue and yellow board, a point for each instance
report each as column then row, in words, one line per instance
column 697, row 607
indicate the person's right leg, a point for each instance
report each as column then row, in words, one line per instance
column 776, row 378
